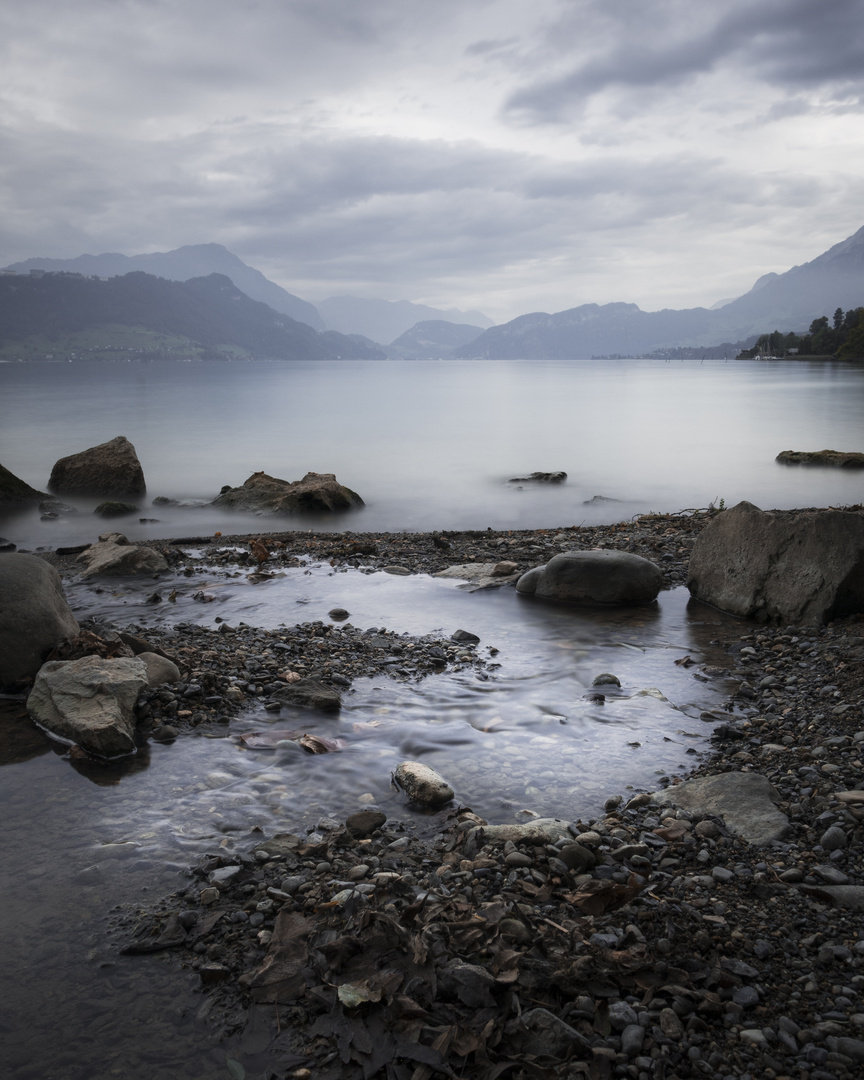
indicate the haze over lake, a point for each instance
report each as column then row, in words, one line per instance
column 431, row 445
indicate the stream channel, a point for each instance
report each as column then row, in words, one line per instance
column 81, row 846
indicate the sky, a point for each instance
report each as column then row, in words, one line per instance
column 505, row 155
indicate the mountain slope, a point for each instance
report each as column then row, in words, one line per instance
column 193, row 260
column 386, row 320
column 788, row 302
column 432, row 339
column 209, row 311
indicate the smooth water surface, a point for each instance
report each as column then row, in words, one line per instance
column 430, row 445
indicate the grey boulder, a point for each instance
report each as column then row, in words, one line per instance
column 34, row 615
column 746, row 802
column 310, row 694
column 594, row 577
column 115, row 556
column 782, row 566
column 112, row 468
column 90, row 702
column 267, row 494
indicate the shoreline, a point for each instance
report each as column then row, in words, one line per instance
column 721, row 964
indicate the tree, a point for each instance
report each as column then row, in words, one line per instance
column 838, row 318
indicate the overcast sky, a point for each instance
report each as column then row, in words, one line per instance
column 510, row 155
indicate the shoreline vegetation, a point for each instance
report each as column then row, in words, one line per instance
column 651, row 941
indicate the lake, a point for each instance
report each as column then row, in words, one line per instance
column 427, row 445
column 431, row 445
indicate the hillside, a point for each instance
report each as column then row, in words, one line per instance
column 385, row 320
column 209, row 313
column 790, row 301
column 432, row 339
column 191, row 261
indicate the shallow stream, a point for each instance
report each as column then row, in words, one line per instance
column 522, row 740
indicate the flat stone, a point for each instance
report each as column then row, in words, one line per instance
column 310, row 694
column 538, row 831
column 365, row 822
column 746, row 801
column 478, row 576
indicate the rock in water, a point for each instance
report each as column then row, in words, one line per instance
column 15, row 492
column 539, row 478
column 786, row 566
column 90, row 702
column 422, row 784
column 112, row 468
column 314, row 493
column 114, row 555
column 34, row 615
column 594, row 577
column 851, row 459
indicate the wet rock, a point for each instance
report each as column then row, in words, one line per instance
column 112, row 468
column 339, row 613
column 314, row 493
column 423, row 784
column 34, row 615
column 310, row 694
column 114, row 556
column 746, row 801
column 90, row 702
column 834, row 839
column 788, row 566
column 851, row 459
column 112, row 508
column 538, row 831
column 539, row 478
column 14, row 492
column 594, row 577
column 606, row 679
column 365, row 822
column 464, row 637
column 477, row 576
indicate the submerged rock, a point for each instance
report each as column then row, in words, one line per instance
column 837, row 458
column 310, row 694
column 539, row 478
column 594, row 577
column 786, row 566
column 90, row 702
column 314, row 493
column 112, row 468
column 112, row 508
column 34, row 615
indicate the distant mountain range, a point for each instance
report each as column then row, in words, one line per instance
column 787, row 302
column 432, row 339
column 66, row 315
column 386, row 320
column 194, row 260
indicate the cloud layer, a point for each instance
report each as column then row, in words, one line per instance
column 499, row 155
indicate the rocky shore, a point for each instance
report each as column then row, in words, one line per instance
column 652, row 941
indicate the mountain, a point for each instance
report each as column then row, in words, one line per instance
column 66, row 314
column 386, row 320
column 193, row 260
column 788, row 302
column 432, row 339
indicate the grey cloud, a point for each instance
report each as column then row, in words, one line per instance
column 784, row 42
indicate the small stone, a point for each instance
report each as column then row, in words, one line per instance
column 834, row 839
column 606, row 679
column 423, row 784
column 517, row 858
column 632, row 1038
column 365, row 822
column 338, row 614
column 208, row 896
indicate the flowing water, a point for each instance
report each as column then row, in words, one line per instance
column 425, row 444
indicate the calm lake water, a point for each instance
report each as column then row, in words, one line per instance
column 430, row 445
column 427, row 445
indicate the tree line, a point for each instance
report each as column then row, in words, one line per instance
column 842, row 337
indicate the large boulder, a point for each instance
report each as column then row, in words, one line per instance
column 268, row 494
column 783, row 566
column 90, row 702
column 115, row 556
column 34, row 615
column 594, row 577
column 112, row 468
column 14, row 492
column 843, row 459
column 746, row 801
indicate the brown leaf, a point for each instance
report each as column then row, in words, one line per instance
column 598, row 896
column 317, row 744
